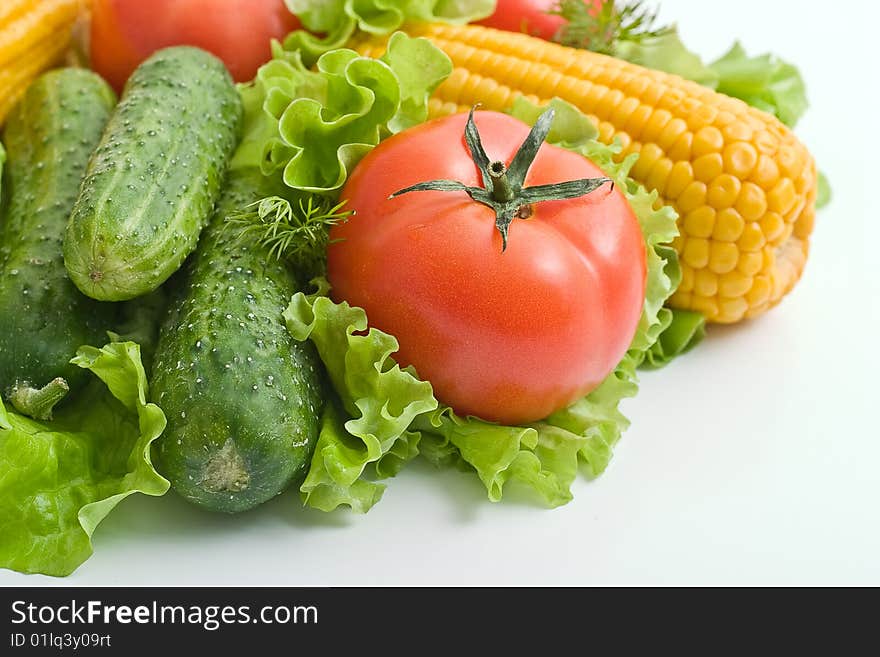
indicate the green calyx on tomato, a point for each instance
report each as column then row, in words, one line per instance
column 504, row 189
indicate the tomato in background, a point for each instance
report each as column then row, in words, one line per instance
column 506, row 336
column 126, row 32
column 529, row 16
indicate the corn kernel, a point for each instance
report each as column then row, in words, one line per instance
column 766, row 172
column 696, row 252
column 606, row 132
column 636, row 85
column 671, row 99
column 723, row 257
column 699, row 222
column 670, row 134
column 681, row 175
column 550, row 83
column 622, row 112
column 765, row 142
column 609, row 101
column 789, row 162
column 500, row 94
column 803, row 182
column 681, row 149
column 803, row 227
column 750, row 263
column 652, row 95
column 769, row 259
column 734, row 284
column 738, row 131
column 655, row 125
column 728, row 225
column 691, row 105
column 687, row 279
column 723, row 191
column 740, row 159
column 681, row 299
column 693, row 196
column 702, row 117
column 708, row 167
column 732, row 310
column 659, row 175
column 773, row 226
column 782, row 197
column 760, row 292
column 751, row 202
column 725, row 118
column 635, row 124
column 707, row 140
column 705, row 283
column 706, row 305
column 752, row 238
column 648, row 157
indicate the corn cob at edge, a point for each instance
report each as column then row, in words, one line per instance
column 34, row 35
column 743, row 185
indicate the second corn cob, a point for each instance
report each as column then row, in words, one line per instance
column 743, row 185
column 34, row 35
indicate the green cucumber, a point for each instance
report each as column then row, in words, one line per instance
column 155, row 176
column 242, row 396
column 44, row 319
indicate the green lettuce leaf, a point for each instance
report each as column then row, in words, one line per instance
column 765, row 82
column 666, row 52
column 381, row 399
column 685, row 330
column 824, row 195
column 337, row 20
column 311, row 127
column 543, row 457
column 60, row 479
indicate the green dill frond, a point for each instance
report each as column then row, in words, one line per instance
column 613, row 23
column 296, row 232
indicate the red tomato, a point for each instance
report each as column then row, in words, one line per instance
column 529, row 16
column 506, row 336
column 126, row 32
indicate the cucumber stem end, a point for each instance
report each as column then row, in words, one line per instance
column 38, row 403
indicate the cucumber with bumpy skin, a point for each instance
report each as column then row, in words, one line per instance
column 242, row 396
column 155, row 176
column 44, row 319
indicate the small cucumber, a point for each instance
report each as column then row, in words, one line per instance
column 43, row 317
column 155, row 176
column 242, row 396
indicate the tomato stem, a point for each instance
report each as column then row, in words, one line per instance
column 501, row 189
column 504, row 187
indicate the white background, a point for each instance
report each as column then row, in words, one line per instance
column 752, row 460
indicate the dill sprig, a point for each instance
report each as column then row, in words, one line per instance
column 599, row 30
column 296, row 232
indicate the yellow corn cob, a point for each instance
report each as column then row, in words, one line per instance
column 28, row 28
column 11, row 9
column 34, row 35
column 743, row 185
column 14, row 80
